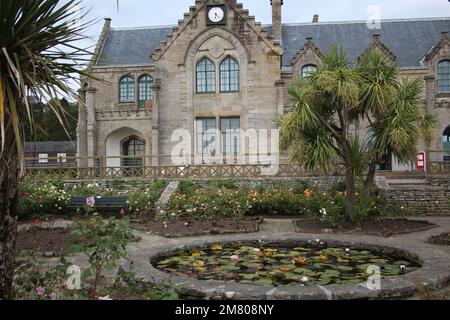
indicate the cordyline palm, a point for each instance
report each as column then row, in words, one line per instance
column 38, row 57
column 317, row 133
column 394, row 111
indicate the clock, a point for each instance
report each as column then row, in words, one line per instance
column 216, row 15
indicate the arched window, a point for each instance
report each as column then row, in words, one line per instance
column 444, row 76
column 446, row 143
column 308, row 70
column 229, row 75
column 206, row 76
column 145, row 90
column 126, row 90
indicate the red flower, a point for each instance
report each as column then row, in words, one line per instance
column 38, row 200
column 37, row 221
column 25, row 194
column 308, row 195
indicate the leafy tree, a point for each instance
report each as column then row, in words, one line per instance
column 38, row 59
column 328, row 105
column 47, row 126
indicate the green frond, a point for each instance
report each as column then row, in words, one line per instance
column 38, row 59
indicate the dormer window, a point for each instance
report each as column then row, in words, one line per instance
column 308, row 70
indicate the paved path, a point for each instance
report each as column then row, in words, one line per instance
column 274, row 228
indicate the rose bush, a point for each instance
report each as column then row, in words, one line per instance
column 222, row 200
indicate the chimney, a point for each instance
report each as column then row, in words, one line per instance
column 276, row 20
column 315, row 18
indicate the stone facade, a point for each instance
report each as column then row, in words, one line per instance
column 267, row 63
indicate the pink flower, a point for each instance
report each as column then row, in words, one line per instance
column 235, row 258
column 40, row 291
column 37, row 222
column 107, row 298
column 256, row 250
column 90, row 201
column 122, row 212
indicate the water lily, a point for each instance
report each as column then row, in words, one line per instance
column 305, row 279
column 234, row 258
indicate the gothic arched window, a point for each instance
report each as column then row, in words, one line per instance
column 126, row 90
column 229, row 75
column 206, row 76
column 443, row 71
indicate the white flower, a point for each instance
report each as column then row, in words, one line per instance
column 305, row 279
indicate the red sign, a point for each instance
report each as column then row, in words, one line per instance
column 421, row 161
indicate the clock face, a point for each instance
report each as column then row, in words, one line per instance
column 216, row 14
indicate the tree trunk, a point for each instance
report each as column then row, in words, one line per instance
column 350, row 187
column 368, row 183
column 9, row 175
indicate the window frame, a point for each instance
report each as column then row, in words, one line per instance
column 127, row 89
column 148, row 90
column 224, row 136
column 202, row 149
column 229, row 77
column 446, row 74
column 206, row 88
column 302, row 70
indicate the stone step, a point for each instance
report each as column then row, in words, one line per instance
column 278, row 226
column 408, row 182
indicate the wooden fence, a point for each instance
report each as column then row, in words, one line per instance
column 98, row 168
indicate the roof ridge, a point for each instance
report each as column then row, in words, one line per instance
column 362, row 21
column 143, row 28
column 292, row 23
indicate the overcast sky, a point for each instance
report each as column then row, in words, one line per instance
column 136, row 13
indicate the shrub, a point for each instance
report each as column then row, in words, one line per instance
column 104, row 242
column 37, row 199
column 142, row 201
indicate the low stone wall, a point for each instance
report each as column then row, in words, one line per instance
column 322, row 183
column 427, row 200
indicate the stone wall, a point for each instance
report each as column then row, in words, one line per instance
column 428, row 200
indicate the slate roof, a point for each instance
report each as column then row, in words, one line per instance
column 409, row 40
column 131, row 46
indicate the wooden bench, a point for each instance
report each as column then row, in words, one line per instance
column 103, row 205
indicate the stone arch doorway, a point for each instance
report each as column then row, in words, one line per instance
column 446, row 144
column 126, row 150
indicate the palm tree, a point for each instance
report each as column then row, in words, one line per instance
column 394, row 111
column 38, row 59
column 317, row 132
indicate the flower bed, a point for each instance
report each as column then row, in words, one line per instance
column 442, row 240
column 226, row 200
column 50, row 198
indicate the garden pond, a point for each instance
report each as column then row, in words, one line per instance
column 314, row 263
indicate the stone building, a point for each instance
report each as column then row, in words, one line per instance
column 218, row 78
